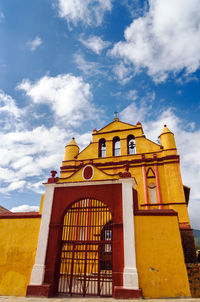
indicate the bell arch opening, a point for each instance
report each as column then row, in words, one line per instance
column 86, row 250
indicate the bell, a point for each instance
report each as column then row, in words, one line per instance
column 132, row 145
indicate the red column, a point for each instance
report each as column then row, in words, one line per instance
column 76, row 221
column 145, row 188
column 88, row 220
column 158, row 187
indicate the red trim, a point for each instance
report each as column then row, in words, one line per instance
column 167, row 133
column 135, row 200
column 88, row 172
column 124, row 293
column 146, row 195
column 119, row 130
column 155, row 213
column 39, row 290
column 113, row 166
column 20, row 215
column 184, row 226
column 133, row 161
column 158, row 187
column 132, row 126
column 164, row 204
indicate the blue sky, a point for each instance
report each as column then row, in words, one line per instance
column 67, row 66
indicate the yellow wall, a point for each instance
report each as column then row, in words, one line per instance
column 17, row 254
column 159, row 255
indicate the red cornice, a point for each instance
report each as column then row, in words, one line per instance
column 133, row 161
column 184, row 226
column 140, row 165
column 20, row 215
column 119, row 156
column 155, row 213
column 119, row 130
column 164, row 204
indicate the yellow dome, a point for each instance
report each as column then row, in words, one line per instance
column 71, row 150
column 167, row 139
column 165, row 130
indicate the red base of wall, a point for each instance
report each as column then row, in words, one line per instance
column 38, row 290
column 124, row 293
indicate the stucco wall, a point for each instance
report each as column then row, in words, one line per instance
column 159, row 255
column 18, row 243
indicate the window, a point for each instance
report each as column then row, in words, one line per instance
column 102, row 148
column 152, row 192
column 108, row 236
column 116, row 146
column 131, row 144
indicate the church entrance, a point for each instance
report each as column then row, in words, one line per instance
column 86, row 250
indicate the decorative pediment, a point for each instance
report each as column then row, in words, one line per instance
column 116, row 125
column 90, row 172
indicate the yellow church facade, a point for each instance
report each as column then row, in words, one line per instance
column 115, row 223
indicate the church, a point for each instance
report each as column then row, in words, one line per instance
column 114, row 223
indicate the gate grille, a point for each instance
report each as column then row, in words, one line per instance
column 86, row 256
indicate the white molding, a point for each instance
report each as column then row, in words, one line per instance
column 92, row 183
column 84, row 171
column 37, row 274
column 130, row 275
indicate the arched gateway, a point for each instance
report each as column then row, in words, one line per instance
column 86, row 250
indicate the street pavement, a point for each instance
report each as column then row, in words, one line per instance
column 93, row 299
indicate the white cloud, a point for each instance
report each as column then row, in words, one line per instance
column 30, row 152
column 132, row 94
column 87, row 67
column 25, row 208
column 96, row 44
column 90, row 12
column 138, row 112
column 34, row 44
column 68, row 96
column 9, row 112
column 29, row 155
column 187, row 141
column 165, row 40
column 123, row 73
column 2, row 17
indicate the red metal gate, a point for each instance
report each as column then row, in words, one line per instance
column 86, row 256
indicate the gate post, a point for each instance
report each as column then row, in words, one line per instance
column 130, row 287
column 37, row 275
column 130, row 276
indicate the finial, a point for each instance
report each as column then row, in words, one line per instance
column 165, row 125
column 53, row 179
column 116, row 115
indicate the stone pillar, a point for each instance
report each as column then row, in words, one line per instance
column 37, row 275
column 130, row 275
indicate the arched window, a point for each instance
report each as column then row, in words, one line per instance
column 152, row 192
column 102, row 148
column 131, row 144
column 116, row 146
